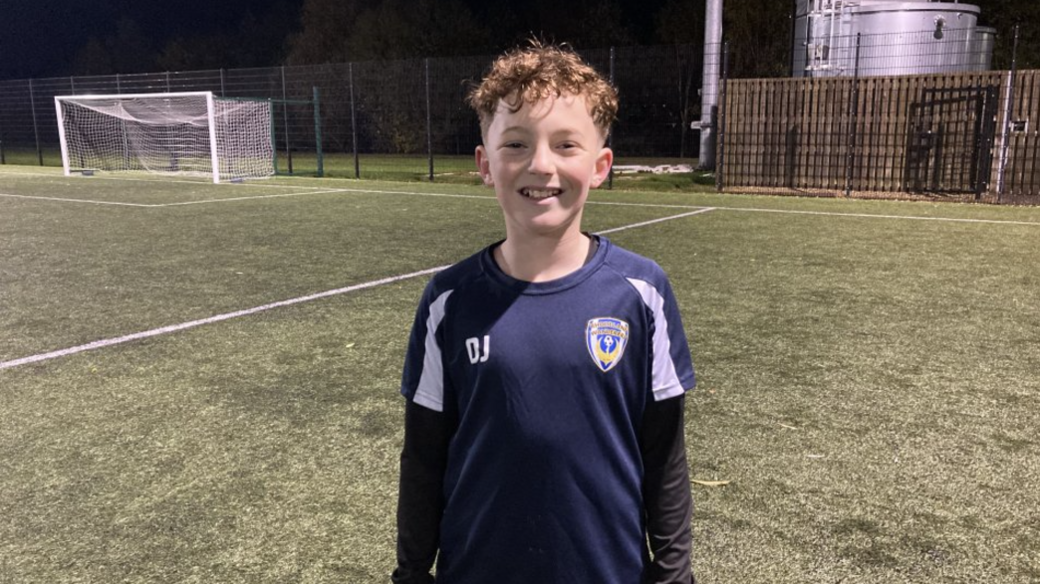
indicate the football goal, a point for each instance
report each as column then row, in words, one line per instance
column 192, row 133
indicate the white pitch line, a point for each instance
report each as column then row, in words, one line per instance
column 652, row 221
column 279, row 195
column 248, row 311
column 201, row 182
column 457, row 196
column 873, row 216
column 350, row 191
column 86, row 201
column 194, row 323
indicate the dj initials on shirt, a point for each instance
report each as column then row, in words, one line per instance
column 473, row 348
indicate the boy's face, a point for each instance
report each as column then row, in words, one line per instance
column 542, row 160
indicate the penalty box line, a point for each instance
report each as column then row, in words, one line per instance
column 283, row 303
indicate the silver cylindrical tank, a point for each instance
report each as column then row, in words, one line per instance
column 896, row 38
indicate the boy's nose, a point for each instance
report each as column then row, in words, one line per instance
column 542, row 161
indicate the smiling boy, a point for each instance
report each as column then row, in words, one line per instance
column 545, row 375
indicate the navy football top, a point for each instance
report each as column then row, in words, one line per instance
column 548, row 382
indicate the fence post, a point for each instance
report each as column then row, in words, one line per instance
column 317, row 132
column 610, row 136
column 720, row 120
column 222, row 82
column 850, row 157
column 36, row 127
column 429, row 125
column 285, row 118
column 1004, row 132
column 353, row 121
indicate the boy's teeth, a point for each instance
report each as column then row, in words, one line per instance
column 539, row 193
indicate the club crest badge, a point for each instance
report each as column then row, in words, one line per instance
column 606, row 339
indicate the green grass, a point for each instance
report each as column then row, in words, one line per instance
column 867, row 383
column 450, row 169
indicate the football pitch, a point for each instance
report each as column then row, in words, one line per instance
column 199, row 383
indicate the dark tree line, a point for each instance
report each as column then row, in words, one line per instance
column 330, row 31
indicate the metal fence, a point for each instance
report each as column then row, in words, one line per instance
column 396, row 119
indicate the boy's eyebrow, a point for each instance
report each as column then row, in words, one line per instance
column 524, row 129
column 515, row 128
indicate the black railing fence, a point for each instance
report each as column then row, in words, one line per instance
column 393, row 119
column 879, row 114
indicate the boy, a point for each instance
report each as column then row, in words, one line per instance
column 545, row 375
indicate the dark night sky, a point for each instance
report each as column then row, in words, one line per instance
column 41, row 38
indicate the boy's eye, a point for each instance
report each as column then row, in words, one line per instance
column 513, row 145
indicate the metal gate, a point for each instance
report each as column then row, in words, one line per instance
column 950, row 140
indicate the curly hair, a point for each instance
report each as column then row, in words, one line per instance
column 527, row 75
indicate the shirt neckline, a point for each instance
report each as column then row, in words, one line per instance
column 571, row 280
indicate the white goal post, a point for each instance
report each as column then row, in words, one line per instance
column 194, row 133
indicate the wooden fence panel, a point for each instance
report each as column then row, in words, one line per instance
column 927, row 133
column 1021, row 173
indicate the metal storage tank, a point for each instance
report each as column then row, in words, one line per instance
column 897, row 37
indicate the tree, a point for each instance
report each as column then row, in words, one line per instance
column 680, row 22
column 397, row 29
column 759, row 40
column 131, row 49
column 93, row 59
column 255, row 42
column 1004, row 15
column 325, row 30
column 128, row 50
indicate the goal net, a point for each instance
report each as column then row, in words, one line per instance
column 194, row 133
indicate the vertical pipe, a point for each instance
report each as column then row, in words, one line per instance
column 317, row 132
column 719, row 179
column 429, row 125
column 610, row 136
column 794, row 33
column 3, row 159
column 285, row 117
column 353, row 122
column 222, row 93
column 1008, row 100
column 36, row 127
column 710, row 83
column 853, row 112
column 168, row 82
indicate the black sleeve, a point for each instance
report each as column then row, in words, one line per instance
column 420, row 501
column 666, row 493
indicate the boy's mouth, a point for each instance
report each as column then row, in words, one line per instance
column 539, row 194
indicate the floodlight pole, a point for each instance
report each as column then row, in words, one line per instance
column 710, row 83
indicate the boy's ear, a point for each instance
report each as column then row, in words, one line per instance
column 484, row 166
column 603, row 164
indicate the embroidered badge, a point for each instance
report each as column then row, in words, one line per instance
column 606, row 339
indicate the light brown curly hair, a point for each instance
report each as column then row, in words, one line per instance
column 530, row 74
